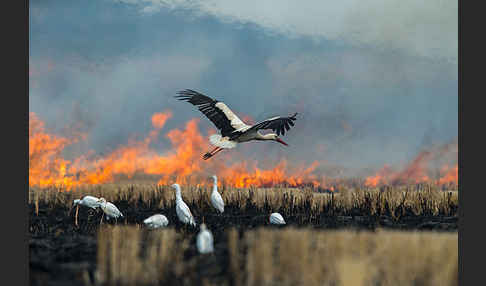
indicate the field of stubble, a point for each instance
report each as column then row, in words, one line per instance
column 387, row 236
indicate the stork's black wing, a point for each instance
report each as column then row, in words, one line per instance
column 221, row 116
column 277, row 124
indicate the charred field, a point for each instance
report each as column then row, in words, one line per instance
column 86, row 253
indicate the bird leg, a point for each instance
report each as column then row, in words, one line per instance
column 214, row 150
column 76, row 216
column 212, row 153
column 102, row 217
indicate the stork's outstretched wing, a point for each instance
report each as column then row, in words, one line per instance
column 277, row 124
column 221, row 116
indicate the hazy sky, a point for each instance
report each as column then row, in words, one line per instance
column 374, row 82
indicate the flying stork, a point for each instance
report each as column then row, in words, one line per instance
column 232, row 129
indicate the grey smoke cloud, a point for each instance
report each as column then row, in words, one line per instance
column 420, row 28
column 377, row 95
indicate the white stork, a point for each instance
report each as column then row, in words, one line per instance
column 216, row 199
column 232, row 129
column 204, row 241
column 156, row 221
column 276, row 218
column 183, row 212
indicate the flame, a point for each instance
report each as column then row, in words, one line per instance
column 450, row 175
column 181, row 162
column 380, row 177
column 416, row 171
column 46, row 165
column 239, row 176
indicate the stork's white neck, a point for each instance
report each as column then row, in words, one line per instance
column 269, row 136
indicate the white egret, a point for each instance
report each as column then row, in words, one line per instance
column 109, row 209
column 216, row 199
column 276, row 218
column 156, row 221
column 87, row 201
column 183, row 212
column 204, row 241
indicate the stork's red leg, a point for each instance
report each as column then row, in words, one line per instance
column 210, row 154
column 213, row 150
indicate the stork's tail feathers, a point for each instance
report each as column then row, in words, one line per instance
column 76, row 201
column 222, row 142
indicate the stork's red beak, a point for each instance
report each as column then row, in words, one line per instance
column 281, row 141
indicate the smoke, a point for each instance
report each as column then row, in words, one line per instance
column 416, row 27
column 374, row 82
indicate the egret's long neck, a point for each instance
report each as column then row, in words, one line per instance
column 215, row 185
column 178, row 194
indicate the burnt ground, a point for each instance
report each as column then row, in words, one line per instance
column 63, row 254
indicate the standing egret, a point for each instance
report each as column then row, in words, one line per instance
column 87, row 201
column 276, row 218
column 204, row 240
column 109, row 209
column 156, row 221
column 216, row 199
column 183, row 212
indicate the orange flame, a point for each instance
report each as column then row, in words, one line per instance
column 380, row 177
column 181, row 162
column 46, row 165
column 450, row 175
column 415, row 172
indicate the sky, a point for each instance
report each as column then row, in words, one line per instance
column 374, row 82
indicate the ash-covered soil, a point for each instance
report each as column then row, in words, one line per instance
column 63, row 254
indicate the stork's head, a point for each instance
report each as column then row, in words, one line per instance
column 214, row 178
column 274, row 137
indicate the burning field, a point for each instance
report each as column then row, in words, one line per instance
column 360, row 225
column 347, row 172
column 181, row 162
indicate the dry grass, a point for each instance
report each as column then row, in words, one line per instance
column 396, row 202
column 283, row 257
column 121, row 258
